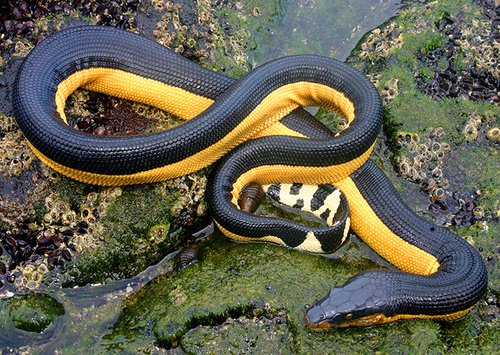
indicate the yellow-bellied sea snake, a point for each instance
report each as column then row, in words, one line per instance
column 257, row 124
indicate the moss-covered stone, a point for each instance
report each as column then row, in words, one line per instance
column 467, row 166
column 249, row 280
column 136, row 232
column 239, row 291
column 243, row 335
column 33, row 312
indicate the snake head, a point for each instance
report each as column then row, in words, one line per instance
column 362, row 301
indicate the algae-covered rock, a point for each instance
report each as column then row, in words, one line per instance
column 243, row 298
column 34, row 312
column 140, row 227
column 241, row 336
column 440, row 96
column 247, row 296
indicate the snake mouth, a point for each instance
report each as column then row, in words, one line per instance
column 317, row 326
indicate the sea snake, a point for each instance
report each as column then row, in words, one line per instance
column 256, row 125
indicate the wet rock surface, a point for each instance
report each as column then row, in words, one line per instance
column 32, row 312
column 436, row 69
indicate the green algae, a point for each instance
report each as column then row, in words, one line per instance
column 417, row 113
column 245, row 21
column 206, row 306
column 135, row 233
column 261, row 335
column 32, row 312
column 239, row 280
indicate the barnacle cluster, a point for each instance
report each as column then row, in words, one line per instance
column 85, row 222
column 178, row 31
column 423, row 164
column 16, row 207
column 14, row 213
column 390, row 90
column 481, row 37
column 65, row 230
column 480, row 129
column 31, row 21
column 106, row 115
column 380, row 43
column 15, row 154
column 200, row 33
column 458, row 208
column 191, row 203
column 32, row 275
column 425, row 157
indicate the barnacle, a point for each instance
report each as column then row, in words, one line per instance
column 494, row 134
column 390, row 91
column 478, row 212
column 68, row 218
column 158, row 233
column 445, row 148
column 437, row 132
column 380, row 43
column 437, row 194
column 419, row 160
column 404, row 167
column 158, row 4
column 91, row 199
column 21, row 49
column 413, row 173
column 15, row 154
column 470, row 132
column 422, row 148
column 437, row 172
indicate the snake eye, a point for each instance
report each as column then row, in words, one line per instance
column 348, row 316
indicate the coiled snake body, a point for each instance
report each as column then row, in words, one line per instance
column 441, row 275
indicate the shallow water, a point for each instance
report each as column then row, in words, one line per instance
column 330, row 28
